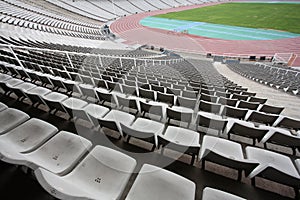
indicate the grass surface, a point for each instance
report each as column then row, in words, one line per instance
column 280, row 16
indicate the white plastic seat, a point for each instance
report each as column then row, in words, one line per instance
column 214, row 194
column 113, row 119
column 59, row 154
column 11, row 118
column 2, row 106
column 103, row 174
column 54, row 100
column 182, row 140
column 226, row 153
column 156, row 183
column 36, row 94
column 95, row 112
column 75, row 108
column 144, row 129
column 21, row 88
column 274, row 166
column 24, row 138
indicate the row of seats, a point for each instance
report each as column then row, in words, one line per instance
column 55, row 157
column 287, row 80
column 176, row 114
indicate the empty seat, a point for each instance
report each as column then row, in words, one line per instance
column 263, row 118
column 209, row 107
column 95, row 112
column 59, row 154
column 154, row 182
column 230, row 111
column 104, row 96
column 11, row 118
column 102, row 174
column 53, row 100
column 75, row 108
column 144, row 129
column 225, row 153
column 275, row 167
column 227, row 101
column 129, row 90
column 248, row 105
column 127, row 103
column 186, row 102
column 288, row 122
column 208, row 98
column 257, row 99
column 271, row 109
column 21, row 88
column 248, row 130
column 182, row 140
column 166, row 98
column 214, row 194
column 36, row 95
column 180, row 114
column 148, row 94
column 113, row 119
column 210, row 122
column 240, row 97
column 153, row 109
column 24, row 138
column 283, row 137
column 189, row 94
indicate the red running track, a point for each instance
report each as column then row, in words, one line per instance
column 130, row 30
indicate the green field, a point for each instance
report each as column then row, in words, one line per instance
column 279, row 16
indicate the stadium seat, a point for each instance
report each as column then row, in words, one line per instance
column 102, row 167
column 182, row 140
column 2, row 106
column 275, row 167
column 11, row 118
column 144, row 129
column 225, row 153
column 24, row 138
column 152, row 181
column 59, row 154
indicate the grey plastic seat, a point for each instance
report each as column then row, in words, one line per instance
column 275, row 167
column 144, row 129
column 130, row 103
column 214, row 194
column 59, row 154
column 102, row 174
column 2, row 106
column 156, row 183
column 186, row 102
column 283, row 137
column 271, row 109
column 209, row 107
column 247, row 129
column 257, row 99
column 226, row 153
column 227, row 101
column 180, row 114
column 289, row 123
column 148, row 94
column 36, row 95
column 54, row 100
column 152, row 108
column 75, row 108
column 229, row 111
column 260, row 117
column 166, row 98
column 182, row 140
column 95, row 112
column 11, row 118
column 20, row 89
column 248, row 105
column 113, row 119
column 210, row 122
column 24, row 138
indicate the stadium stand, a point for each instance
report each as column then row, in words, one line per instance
column 60, row 105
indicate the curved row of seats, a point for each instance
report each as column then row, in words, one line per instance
column 287, row 80
column 60, row 102
column 55, row 157
column 26, row 18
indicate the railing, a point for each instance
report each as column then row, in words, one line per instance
column 146, row 61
